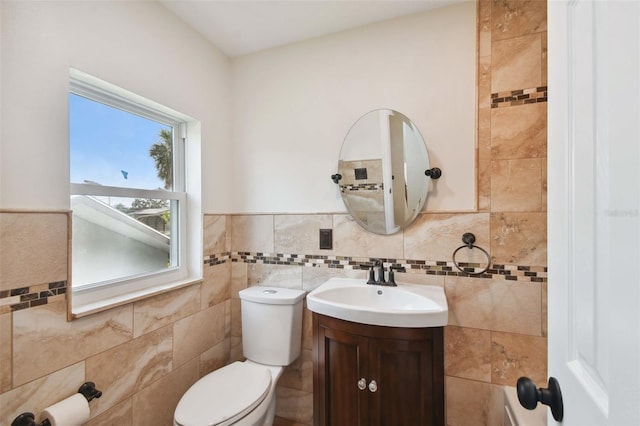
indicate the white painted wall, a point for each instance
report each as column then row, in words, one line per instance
column 293, row 105
column 139, row 46
column 272, row 122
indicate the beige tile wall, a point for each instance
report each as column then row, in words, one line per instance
column 144, row 355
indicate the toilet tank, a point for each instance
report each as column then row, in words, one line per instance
column 271, row 324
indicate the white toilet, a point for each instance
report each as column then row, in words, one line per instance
column 243, row 393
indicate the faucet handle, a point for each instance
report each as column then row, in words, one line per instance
column 372, row 276
column 392, row 268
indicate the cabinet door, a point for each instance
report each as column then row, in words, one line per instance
column 409, row 388
column 338, row 370
column 400, row 372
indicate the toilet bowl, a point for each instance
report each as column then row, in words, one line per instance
column 239, row 394
column 243, row 393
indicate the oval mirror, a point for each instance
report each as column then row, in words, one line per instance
column 381, row 171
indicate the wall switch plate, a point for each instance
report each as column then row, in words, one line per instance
column 361, row 173
column 326, row 239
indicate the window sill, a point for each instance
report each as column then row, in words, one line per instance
column 87, row 309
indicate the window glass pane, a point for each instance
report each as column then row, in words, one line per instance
column 112, row 147
column 115, row 237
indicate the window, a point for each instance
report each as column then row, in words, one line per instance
column 128, row 193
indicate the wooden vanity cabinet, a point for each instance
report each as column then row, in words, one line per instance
column 374, row 375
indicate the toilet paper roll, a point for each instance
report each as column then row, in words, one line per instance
column 72, row 411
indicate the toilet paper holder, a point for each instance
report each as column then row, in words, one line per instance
column 88, row 390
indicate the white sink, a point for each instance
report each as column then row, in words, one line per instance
column 406, row 305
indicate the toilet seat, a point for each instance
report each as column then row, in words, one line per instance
column 224, row 396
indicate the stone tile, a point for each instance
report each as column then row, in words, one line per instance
column 155, row 404
column 472, row 403
column 484, row 82
column 216, row 238
column 6, row 346
column 295, row 405
column 435, row 236
column 496, row 305
column 37, row 395
column 516, row 185
column 198, row 333
column 484, row 28
column 300, row 233
column 544, row 184
column 127, row 368
column 236, row 318
column 420, row 279
column 307, row 328
column 279, row 421
column 545, row 49
column 252, row 233
column 216, row 284
column 313, row 277
column 299, row 375
column 467, row 353
column 119, row 415
column 517, row 355
column 513, row 18
column 61, row 343
column 545, row 309
column 519, row 238
column 236, row 349
column 239, row 272
column 516, row 63
column 33, row 249
column 351, row 239
column 519, row 132
column 484, row 160
column 214, row 358
column 158, row 311
column 283, row 276
column 227, row 318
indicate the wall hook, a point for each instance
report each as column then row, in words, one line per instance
column 433, row 173
column 336, row 178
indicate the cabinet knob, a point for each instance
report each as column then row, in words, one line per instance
column 362, row 384
column 373, row 386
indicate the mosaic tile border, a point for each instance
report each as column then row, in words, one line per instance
column 362, row 187
column 519, row 97
column 507, row 272
column 27, row 297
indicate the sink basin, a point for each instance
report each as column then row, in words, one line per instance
column 406, row 305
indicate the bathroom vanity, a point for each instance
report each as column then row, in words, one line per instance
column 378, row 356
column 376, row 375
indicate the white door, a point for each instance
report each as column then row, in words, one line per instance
column 594, row 209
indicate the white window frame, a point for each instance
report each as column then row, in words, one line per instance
column 95, row 297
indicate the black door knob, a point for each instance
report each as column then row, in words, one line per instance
column 529, row 396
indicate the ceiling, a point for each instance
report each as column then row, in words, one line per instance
column 240, row 27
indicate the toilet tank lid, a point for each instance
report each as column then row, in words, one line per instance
column 272, row 295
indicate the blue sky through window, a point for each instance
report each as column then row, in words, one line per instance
column 110, row 147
